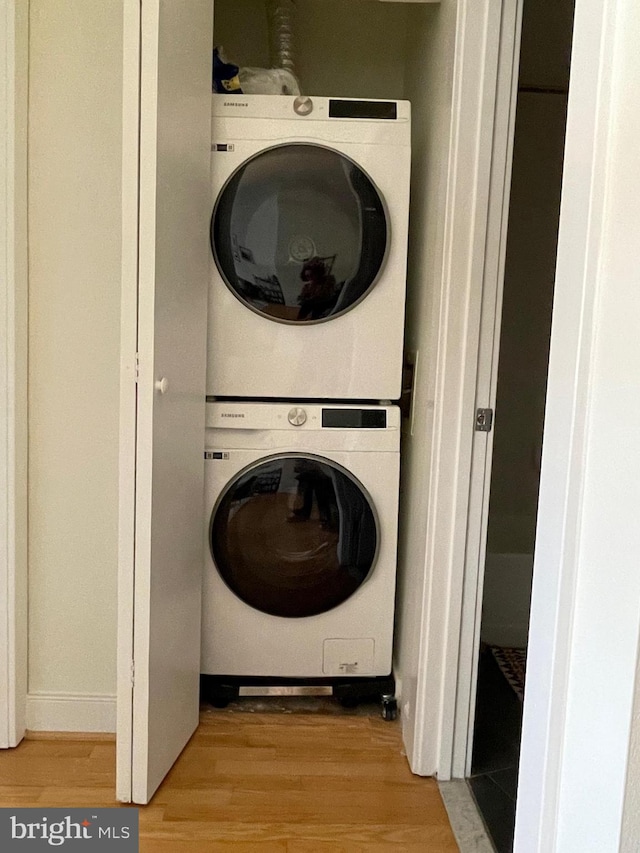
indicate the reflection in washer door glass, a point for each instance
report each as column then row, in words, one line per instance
column 299, row 233
column 294, row 536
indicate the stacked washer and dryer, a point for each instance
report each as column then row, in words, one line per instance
column 302, row 455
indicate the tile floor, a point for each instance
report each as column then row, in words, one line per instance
column 496, row 751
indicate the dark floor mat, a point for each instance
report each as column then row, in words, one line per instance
column 512, row 663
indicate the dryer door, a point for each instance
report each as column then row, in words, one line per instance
column 294, row 535
column 299, row 233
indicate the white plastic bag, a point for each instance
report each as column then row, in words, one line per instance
column 268, row 81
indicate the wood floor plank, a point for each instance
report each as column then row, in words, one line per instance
column 19, row 795
column 70, row 796
column 357, row 835
column 70, row 736
column 54, row 771
column 427, row 844
column 301, row 767
column 53, row 749
column 303, row 807
column 178, row 845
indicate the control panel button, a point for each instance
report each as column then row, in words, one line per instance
column 303, row 105
column 297, row 416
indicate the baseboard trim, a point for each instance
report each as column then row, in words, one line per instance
column 70, row 712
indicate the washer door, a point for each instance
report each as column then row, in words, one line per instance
column 294, row 535
column 299, row 233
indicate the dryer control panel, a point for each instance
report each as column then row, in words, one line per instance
column 305, row 417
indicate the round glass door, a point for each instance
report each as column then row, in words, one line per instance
column 299, row 233
column 294, row 536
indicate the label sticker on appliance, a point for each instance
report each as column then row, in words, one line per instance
column 216, row 454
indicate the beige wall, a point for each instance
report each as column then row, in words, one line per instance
column 343, row 48
column 74, row 296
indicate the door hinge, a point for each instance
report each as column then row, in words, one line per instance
column 137, row 367
column 484, row 420
column 408, row 380
column 133, row 673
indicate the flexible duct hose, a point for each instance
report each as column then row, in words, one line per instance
column 281, row 29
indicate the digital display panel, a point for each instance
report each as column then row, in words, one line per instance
column 363, row 109
column 354, row 418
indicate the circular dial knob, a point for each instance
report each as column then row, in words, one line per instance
column 303, row 105
column 297, row 416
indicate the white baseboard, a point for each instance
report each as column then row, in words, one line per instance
column 70, row 712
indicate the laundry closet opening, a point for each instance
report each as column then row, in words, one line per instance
column 302, row 521
column 330, row 464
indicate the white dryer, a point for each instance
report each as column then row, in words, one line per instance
column 300, row 551
column 309, row 238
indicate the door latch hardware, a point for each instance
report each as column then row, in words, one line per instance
column 484, row 420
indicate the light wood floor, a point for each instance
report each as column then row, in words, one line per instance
column 254, row 782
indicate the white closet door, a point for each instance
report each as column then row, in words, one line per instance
column 160, row 608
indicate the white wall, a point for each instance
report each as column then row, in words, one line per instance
column 75, row 131
column 585, row 615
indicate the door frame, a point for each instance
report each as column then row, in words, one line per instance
column 486, row 53
column 13, row 371
column 486, row 384
column 128, row 393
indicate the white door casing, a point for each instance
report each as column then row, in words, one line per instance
column 161, row 557
column 13, row 370
column 429, row 726
column 487, row 379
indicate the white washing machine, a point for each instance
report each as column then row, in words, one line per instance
column 309, row 239
column 300, row 551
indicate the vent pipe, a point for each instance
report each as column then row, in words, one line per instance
column 281, row 31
